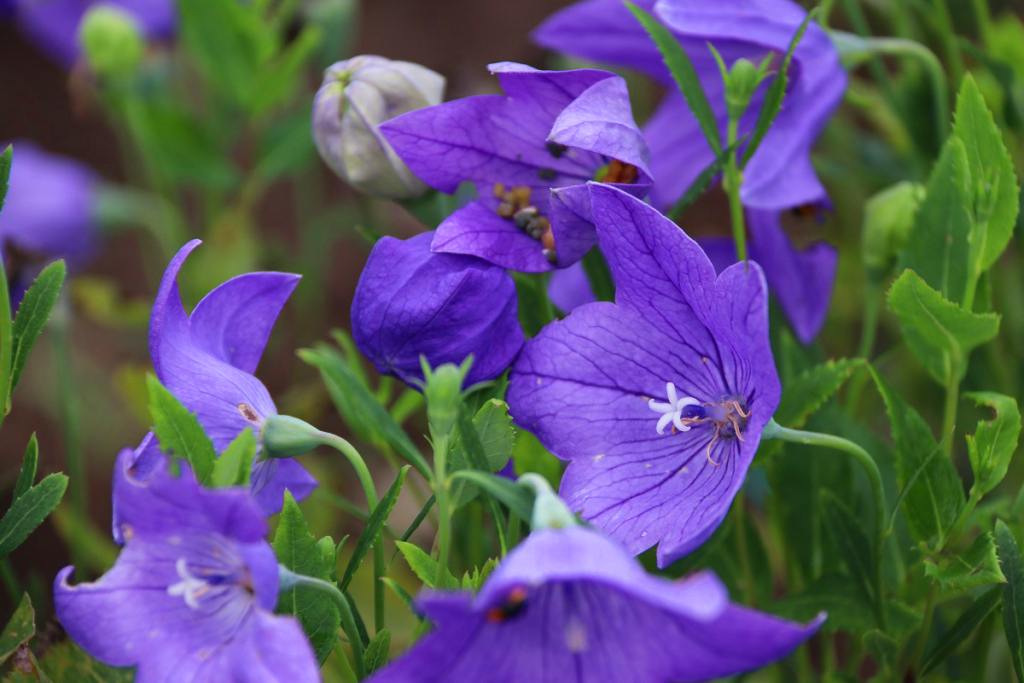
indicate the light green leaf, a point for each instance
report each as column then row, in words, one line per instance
column 516, row 498
column 682, row 71
column 376, row 654
column 1013, row 595
column 296, row 549
column 29, row 511
column 976, row 566
column 19, row 629
column 806, row 393
column 179, row 432
column 32, row 315
column 374, row 527
column 27, row 475
column 937, row 246
column 937, row 497
column 234, row 466
column 497, row 437
column 423, row 566
column 940, row 333
column 994, row 442
column 993, row 190
column 961, row 629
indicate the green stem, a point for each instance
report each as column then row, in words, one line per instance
column 444, row 520
column 868, row 334
column 357, row 462
column 949, row 40
column 10, row 580
column 952, row 401
column 743, row 551
column 774, row 431
column 348, row 622
column 984, row 19
column 929, row 612
column 733, row 180
column 961, row 519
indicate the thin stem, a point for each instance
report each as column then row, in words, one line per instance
column 949, row 39
column 868, row 334
column 774, row 431
column 961, row 519
column 733, row 180
column 444, row 521
column 348, row 622
column 984, row 19
column 349, row 451
column 743, row 551
column 929, row 612
column 952, row 400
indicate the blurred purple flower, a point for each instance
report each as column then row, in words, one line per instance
column 412, row 302
column 207, row 361
column 780, row 174
column 53, row 24
column 49, row 214
column 6, row 9
column 530, row 154
column 569, row 604
column 593, row 386
column 192, row 594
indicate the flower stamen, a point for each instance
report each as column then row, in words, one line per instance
column 191, row 588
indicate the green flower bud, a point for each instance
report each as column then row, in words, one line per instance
column 287, row 437
column 888, row 217
column 549, row 511
column 112, row 41
column 442, row 387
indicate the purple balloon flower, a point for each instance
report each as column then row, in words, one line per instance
column 658, row 399
column 207, row 361
column 780, row 174
column 49, row 214
column 412, row 302
column 530, row 154
column 191, row 597
column 53, row 24
column 570, row 605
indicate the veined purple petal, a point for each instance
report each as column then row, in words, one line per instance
column 475, row 230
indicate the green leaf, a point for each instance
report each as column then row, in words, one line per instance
column 376, row 654
column 5, row 173
column 179, row 432
column 27, row 475
column 360, row 410
column 518, row 499
column 374, row 527
column 994, row 442
column 847, row 607
column 296, row 549
column 937, row 497
column 29, row 511
column 940, row 333
column 883, row 648
column 809, row 391
column 400, row 592
column 961, row 629
column 66, row 662
column 19, row 629
column 976, row 566
column 685, row 75
column 1013, row 595
column 32, row 315
column 234, row 466
column 852, row 544
column 424, row 567
column 772, row 104
column 496, row 436
column 228, row 42
column 598, row 275
column 278, row 79
column 993, row 193
column 937, row 246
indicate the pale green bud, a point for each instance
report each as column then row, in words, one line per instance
column 287, row 437
column 111, row 40
column 888, row 217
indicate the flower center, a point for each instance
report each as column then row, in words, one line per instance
column 192, row 587
column 729, row 415
column 515, row 205
column 513, row 604
column 617, row 172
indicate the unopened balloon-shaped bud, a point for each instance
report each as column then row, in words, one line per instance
column 356, row 97
column 888, row 217
column 287, row 437
column 111, row 40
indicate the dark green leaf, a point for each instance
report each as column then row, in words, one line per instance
column 516, row 498
column 296, row 549
column 424, row 566
column 937, row 247
column 1013, row 595
column 361, row 411
column 852, row 544
column 937, row 497
column 27, row 475
column 495, row 438
column 883, row 648
column 376, row 654
column 20, row 627
column 29, row 511
column 811, row 389
column 234, row 465
column 976, row 566
column 961, row 629
column 5, row 173
column 940, row 333
column 772, row 104
column 993, row 190
column 702, row 182
column 685, row 75
column 994, row 441
column 179, row 432
column 374, row 527
column 32, row 315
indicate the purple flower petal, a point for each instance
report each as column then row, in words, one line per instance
column 475, row 230
column 569, row 288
